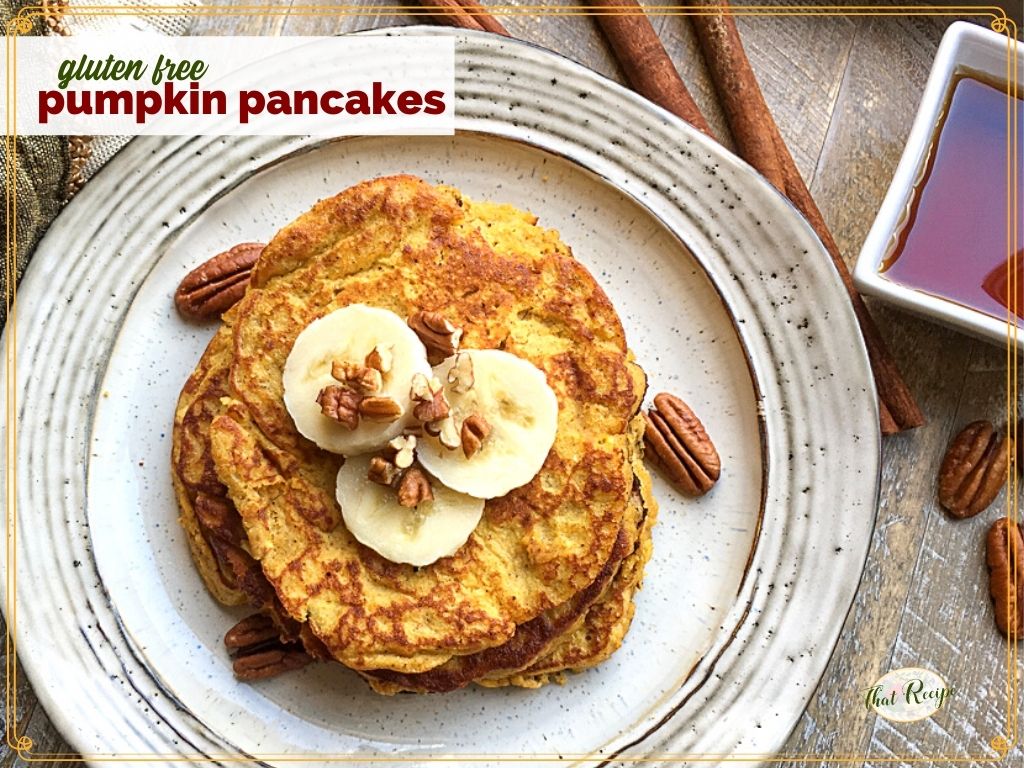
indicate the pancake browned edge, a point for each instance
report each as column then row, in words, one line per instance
column 504, row 278
column 214, row 530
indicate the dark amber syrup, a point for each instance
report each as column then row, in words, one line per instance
column 954, row 243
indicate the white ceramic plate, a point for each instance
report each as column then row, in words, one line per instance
column 748, row 587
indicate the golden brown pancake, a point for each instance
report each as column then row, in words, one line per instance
column 546, row 581
column 535, row 645
column 582, row 624
column 536, row 639
column 401, row 244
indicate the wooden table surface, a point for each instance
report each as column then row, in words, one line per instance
column 844, row 91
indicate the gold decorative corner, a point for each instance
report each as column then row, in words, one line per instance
column 1001, row 745
column 23, row 746
column 1003, row 25
column 20, row 25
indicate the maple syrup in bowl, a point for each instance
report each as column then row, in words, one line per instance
column 946, row 243
column 954, row 242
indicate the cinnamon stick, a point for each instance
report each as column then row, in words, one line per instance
column 645, row 61
column 760, row 144
column 483, row 18
column 742, row 101
column 452, row 14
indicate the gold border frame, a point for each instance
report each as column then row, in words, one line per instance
column 22, row 23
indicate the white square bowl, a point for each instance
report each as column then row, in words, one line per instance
column 964, row 46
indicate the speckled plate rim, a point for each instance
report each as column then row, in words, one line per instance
column 485, row 69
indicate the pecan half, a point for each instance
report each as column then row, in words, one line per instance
column 249, row 632
column 475, row 429
column 680, row 446
column 1005, row 550
column 973, row 470
column 271, row 662
column 439, row 336
column 380, row 409
column 218, row 283
column 414, row 488
column 341, row 404
column 259, row 650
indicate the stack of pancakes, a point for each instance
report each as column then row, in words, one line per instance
column 545, row 583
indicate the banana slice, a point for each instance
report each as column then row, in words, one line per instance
column 434, row 529
column 520, row 412
column 348, row 336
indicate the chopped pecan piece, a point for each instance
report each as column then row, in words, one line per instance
column 404, row 447
column 475, row 429
column 460, row 375
column 1005, row 559
column 420, row 389
column 380, row 409
column 449, row 434
column 446, row 431
column 414, row 488
column 341, row 404
column 383, row 472
column 438, row 335
column 428, row 395
column 361, row 378
column 974, row 469
column 680, row 446
column 381, row 358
